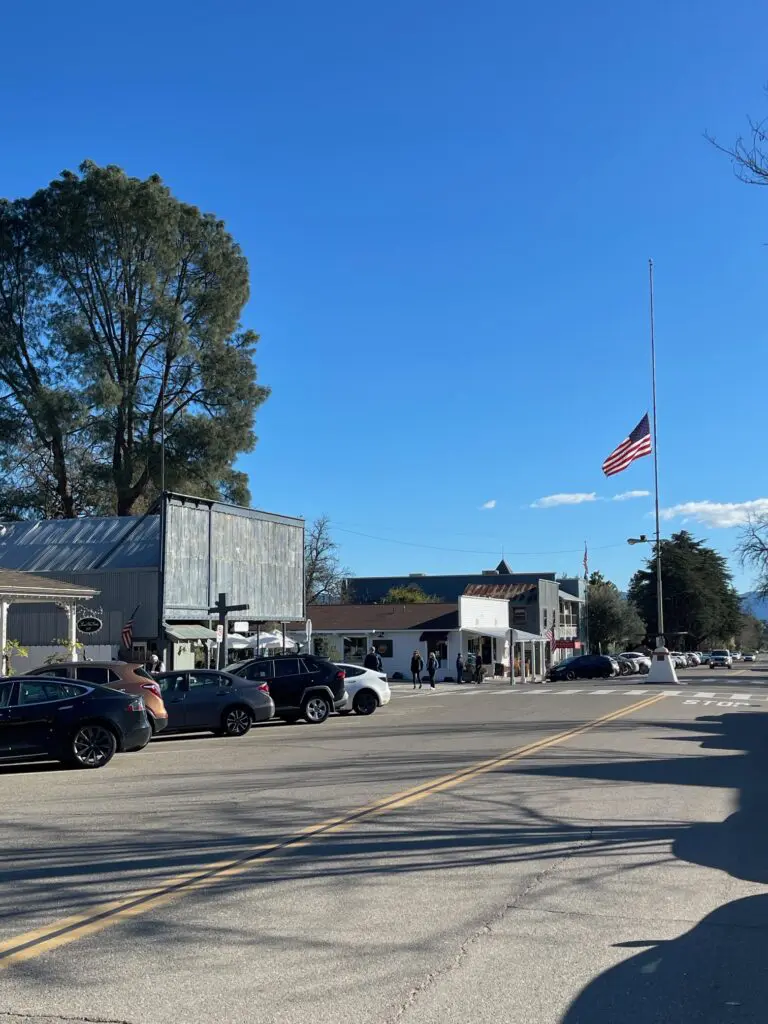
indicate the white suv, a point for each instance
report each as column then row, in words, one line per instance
column 720, row 659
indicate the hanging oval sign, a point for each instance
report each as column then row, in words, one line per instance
column 89, row 624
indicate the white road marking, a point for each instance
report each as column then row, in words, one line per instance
column 739, row 696
column 671, row 693
column 705, row 693
column 637, row 693
column 561, row 692
column 603, row 691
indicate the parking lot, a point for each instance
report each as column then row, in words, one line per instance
column 441, row 860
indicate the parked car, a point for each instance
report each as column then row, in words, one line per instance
column 678, row 659
column 642, row 660
column 366, row 689
column 737, row 655
column 749, row 657
column 80, row 724
column 694, row 659
column 211, row 701
column 627, row 666
column 585, row 666
column 118, row 675
column 305, row 687
column 720, row 659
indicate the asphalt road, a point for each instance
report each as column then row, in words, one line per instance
column 581, row 853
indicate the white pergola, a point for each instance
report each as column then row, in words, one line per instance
column 25, row 588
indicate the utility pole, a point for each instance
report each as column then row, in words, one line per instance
column 221, row 608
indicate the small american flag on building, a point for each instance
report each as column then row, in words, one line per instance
column 126, row 636
column 633, row 447
column 550, row 634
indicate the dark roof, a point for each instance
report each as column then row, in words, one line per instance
column 377, row 617
column 80, row 545
column 519, row 592
column 17, row 585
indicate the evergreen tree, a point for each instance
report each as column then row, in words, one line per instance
column 700, row 603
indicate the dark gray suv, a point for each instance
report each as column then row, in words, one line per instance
column 302, row 686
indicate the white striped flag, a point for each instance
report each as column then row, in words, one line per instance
column 633, row 447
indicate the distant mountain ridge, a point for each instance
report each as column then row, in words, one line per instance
column 755, row 605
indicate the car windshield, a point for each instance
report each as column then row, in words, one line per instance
column 720, row 654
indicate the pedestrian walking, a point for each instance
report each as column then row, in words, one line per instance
column 372, row 660
column 379, row 663
column 432, row 668
column 479, row 670
column 459, row 668
column 417, row 667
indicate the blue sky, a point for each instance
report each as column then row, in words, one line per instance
column 448, row 210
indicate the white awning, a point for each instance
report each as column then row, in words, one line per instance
column 519, row 636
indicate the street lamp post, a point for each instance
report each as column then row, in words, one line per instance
column 662, row 668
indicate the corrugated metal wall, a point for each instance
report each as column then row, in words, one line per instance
column 254, row 557
column 120, row 592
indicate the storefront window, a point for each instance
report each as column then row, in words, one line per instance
column 355, row 648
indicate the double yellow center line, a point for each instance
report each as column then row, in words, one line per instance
column 59, row 933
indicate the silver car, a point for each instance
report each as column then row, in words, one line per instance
column 720, row 659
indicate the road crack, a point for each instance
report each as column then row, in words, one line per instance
column 486, row 928
column 11, row 1017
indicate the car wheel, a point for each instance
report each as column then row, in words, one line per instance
column 315, row 709
column 92, row 746
column 236, row 721
column 570, row 675
column 365, row 702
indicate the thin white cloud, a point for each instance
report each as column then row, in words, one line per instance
column 628, row 495
column 717, row 513
column 489, row 504
column 553, row 500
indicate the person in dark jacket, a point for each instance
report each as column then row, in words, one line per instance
column 432, row 668
column 372, row 660
column 417, row 667
column 479, row 669
column 459, row 668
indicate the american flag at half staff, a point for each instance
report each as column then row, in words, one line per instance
column 633, row 447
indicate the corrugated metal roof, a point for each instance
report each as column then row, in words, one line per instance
column 505, row 591
column 16, row 585
column 380, row 617
column 78, row 545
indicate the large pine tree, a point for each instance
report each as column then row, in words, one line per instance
column 700, row 604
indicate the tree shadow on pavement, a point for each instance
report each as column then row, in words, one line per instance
column 716, row 971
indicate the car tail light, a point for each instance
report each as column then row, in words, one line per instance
column 136, row 705
column 341, row 674
column 264, row 687
column 153, row 688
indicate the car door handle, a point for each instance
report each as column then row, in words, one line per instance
column 65, row 707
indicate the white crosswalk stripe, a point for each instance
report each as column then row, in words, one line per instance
column 704, row 693
column 739, row 696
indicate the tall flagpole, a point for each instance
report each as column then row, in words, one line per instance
column 162, row 434
column 659, row 597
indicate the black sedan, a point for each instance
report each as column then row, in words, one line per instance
column 207, row 700
column 81, row 724
column 585, row 666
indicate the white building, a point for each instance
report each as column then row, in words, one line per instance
column 472, row 625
